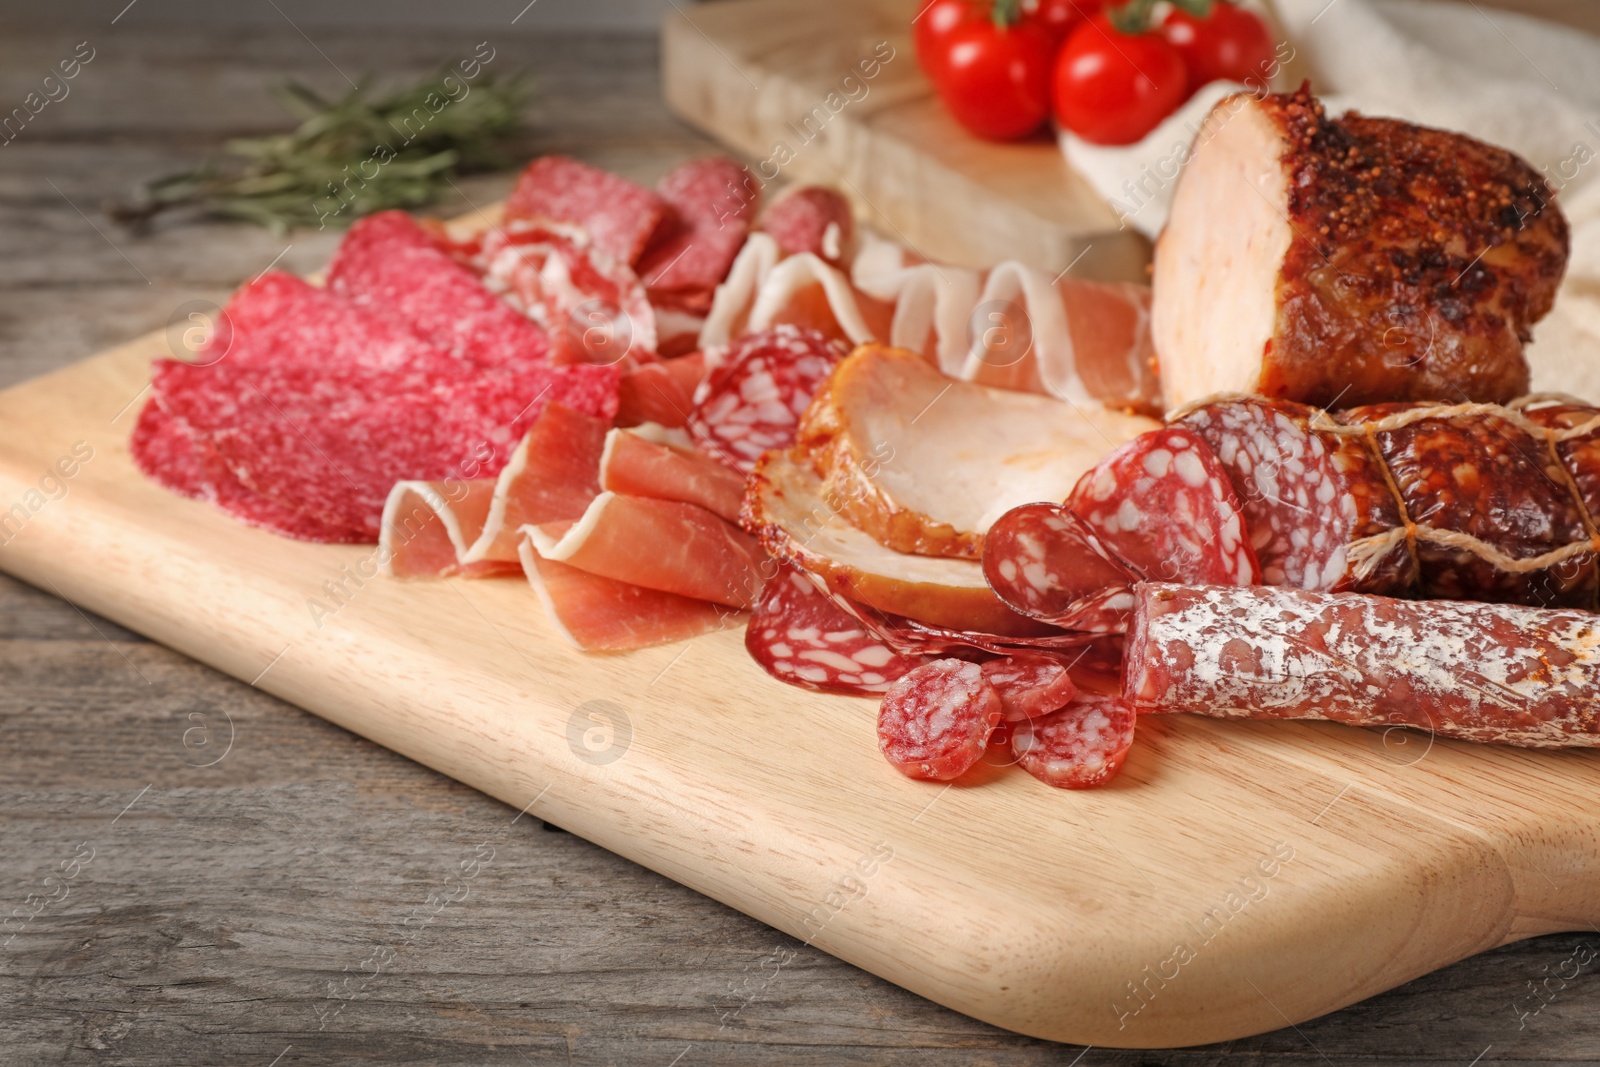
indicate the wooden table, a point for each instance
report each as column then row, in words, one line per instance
column 243, row 856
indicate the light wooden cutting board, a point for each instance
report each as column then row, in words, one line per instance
column 1135, row 915
column 784, row 83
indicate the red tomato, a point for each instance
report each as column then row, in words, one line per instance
column 1060, row 17
column 1113, row 87
column 933, row 24
column 1231, row 44
column 996, row 80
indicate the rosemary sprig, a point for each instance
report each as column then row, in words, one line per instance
column 348, row 156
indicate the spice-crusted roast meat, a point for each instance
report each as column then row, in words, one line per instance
column 1351, row 260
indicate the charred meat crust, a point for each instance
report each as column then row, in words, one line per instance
column 1420, row 260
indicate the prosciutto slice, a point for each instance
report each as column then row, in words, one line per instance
column 645, row 462
column 553, row 475
column 1016, row 327
column 600, row 614
column 660, row 544
column 427, row 527
column 765, row 289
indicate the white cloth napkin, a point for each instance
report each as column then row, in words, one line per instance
column 1529, row 85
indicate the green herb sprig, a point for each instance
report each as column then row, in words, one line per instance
column 349, row 156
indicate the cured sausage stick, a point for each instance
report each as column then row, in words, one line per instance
column 1492, row 673
column 1464, row 501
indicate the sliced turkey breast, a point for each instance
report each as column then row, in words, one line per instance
column 925, row 464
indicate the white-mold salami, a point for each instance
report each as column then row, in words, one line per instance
column 1493, row 673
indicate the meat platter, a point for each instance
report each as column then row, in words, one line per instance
column 619, row 507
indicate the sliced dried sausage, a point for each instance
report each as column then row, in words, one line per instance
column 1044, row 562
column 753, row 401
column 801, row 637
column 1308, row 492
column 1079, row 747
column 936, row 721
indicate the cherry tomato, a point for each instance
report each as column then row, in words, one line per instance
column 996, row 79
column 1112, row 87
column 935, row 21
column 1230, row 44
column 1060, row 17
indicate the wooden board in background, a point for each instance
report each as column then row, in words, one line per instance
column 1043, row 911
column 757, row 74
column 753, row 73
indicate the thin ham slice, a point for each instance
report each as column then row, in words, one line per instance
column 764, row 290
column 660, row 544
column 593, row 307
column 638, row 465
column 1015, row 327
column 427, row 527
column 662, row 393
column 600, row 614
column 553, row 475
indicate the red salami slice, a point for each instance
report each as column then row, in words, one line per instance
column 811, row 219
column 1308, row 493
column 936, row 721
column 1163, row 505
column 1481, row 473
column 1029, row 684
column 713, row 202
column 1044, row 562
column 1079, row 747
column 1494, row 673
column 753, row 401
column 322, row 406
column 390, row 265
column 234, row 498
column 620, row 216
column 799, row 636
column 164, row 452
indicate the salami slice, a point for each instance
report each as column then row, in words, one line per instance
column 713, row 201
column 620, row 216
column 1494, row 673
column 1308, row 493
column 1163, row 505
column 239, row 501
column 164, row 452
column 812, row 219
column 753, row 401
column 1490, row 500
column 1029, row 684
column 392, row 266
column 936, row 721
column 800, row 636
column 1044, row 562
column 1079, row 747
